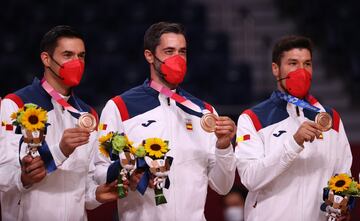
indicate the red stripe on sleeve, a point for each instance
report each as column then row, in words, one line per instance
column 16, row 99
column 254, row 119
column 336, row 120
column 122, row 108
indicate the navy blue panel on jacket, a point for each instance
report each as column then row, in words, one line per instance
column 271, row 111
column 143, row 98
column 140, row 99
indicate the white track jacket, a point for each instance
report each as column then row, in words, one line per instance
column 143, row 113
column 285, row 181
column 63, row 193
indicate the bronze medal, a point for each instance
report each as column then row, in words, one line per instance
column 87, row 121
column 324, row 120
column 208, row 122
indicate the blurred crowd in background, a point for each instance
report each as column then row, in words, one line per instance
column 114, row 30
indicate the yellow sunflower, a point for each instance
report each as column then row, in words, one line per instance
column 14, row 115
column 103, row 151
column 34, row 119
column 340, row 183
column 132, row 149
column 156, row 147
column 106, row 137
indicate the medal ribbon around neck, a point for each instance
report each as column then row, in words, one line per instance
column 86, row 120
column 57, row 97
column 323, row 119
column 207, row 121
column 297, row 102
column 176, row 97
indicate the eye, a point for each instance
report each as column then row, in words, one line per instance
column 81, row 56
column 183, row 52
column 168, row 52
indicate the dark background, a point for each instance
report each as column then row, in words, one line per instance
column 113, row 32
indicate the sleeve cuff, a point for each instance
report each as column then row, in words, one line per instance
column 223, row 152
column 96, row 203
column 93, row 202
column 58, row 155
column 293, row 146
column 20, row 185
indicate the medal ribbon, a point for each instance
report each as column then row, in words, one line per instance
column 174, row 96
column 57, row 97
column 296, row 101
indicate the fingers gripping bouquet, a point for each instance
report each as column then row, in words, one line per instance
column 31, row 122
column 339, row 196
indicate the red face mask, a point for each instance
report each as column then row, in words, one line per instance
column 71, row 72
column 298, row 82
column 173, row 69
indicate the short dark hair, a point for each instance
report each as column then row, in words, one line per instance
column 50, row 39
column 153, row 33
column 290, row 42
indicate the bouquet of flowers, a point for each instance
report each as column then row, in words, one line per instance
column 149, row 156
column 339, row 196
column 119, row 144
column 159, row 165
column 32, row 121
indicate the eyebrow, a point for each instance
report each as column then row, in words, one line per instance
column 169, row 48
column 67, row 52
column 172, row 48
column 292, row 59
column 71, row 52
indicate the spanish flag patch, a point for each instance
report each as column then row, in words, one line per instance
column 243, row 138
column 8, row 127
column 102, row 127
column 189, row 125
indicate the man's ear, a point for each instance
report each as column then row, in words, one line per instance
column 275, row 70
column 45, row 58
column 149, row 56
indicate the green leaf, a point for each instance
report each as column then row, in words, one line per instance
column 118, row 143
column 140, row 151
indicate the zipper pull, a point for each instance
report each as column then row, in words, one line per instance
column 297, row 111
column 168, row 101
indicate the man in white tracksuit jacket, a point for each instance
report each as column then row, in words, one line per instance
column 283, row 158
column 28, row 192
column 199, row 158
